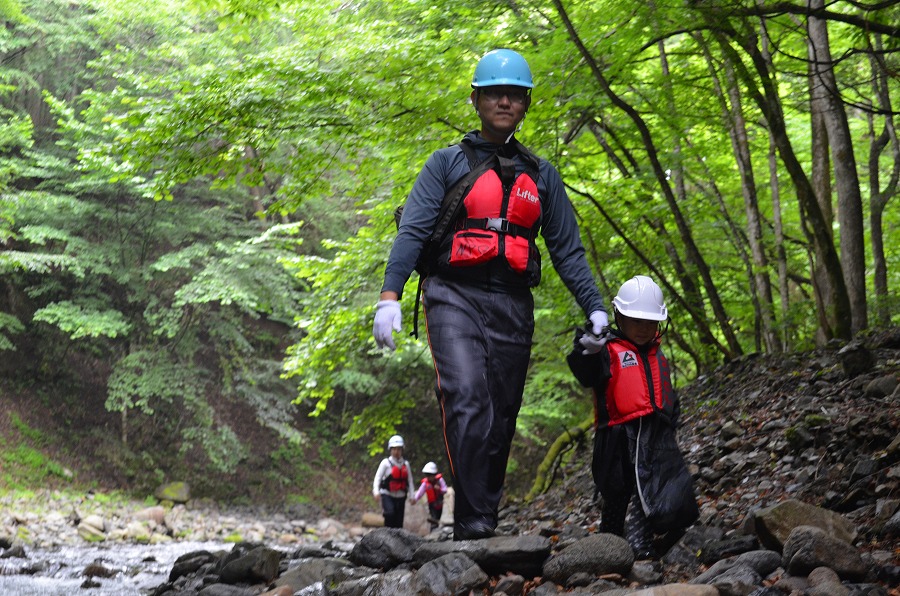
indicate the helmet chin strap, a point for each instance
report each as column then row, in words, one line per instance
column 518, row 128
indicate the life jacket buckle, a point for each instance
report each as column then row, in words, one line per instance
column 497, row 224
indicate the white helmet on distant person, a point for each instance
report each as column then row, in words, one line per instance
column 641, row 298
column 430, row 468
column 395, row 441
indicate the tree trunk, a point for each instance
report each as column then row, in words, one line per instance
column 775, row 190
column 543, row 478
column 820, row 178
column 816, row 228
column 780, row 251
column 879, row 196
column 741, row 147
column 846, row 178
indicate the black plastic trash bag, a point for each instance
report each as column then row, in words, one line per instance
column 665, row 487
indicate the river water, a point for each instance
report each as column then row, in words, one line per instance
column 59, row 571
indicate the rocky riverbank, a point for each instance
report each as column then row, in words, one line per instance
column 796, row 460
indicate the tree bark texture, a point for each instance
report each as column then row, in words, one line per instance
column 846, row 178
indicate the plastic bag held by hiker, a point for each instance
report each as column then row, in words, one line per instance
column 477, row 279
column 387, row 320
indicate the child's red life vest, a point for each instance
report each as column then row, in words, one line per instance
column 397, row 480
column 639, row 383
column 433, row 491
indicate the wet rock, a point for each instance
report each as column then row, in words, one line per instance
column 249, row 563
column 523, row 555
column 679, row 590
column 599, row 554
column 17, row 552
column 454, row 573
column 855, row 359
column 761, row 563
column 808, row 547
column 720, row 549
column 511, row 585
column 774, row 524
column 397, row 582
column 190, row 563
column 227, row 590
column 307, row 572
column 385, row 548
column 175, row 492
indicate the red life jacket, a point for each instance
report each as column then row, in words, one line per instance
column 500, row 217
column 433, row 491
column 639, row 383
column 397, row 480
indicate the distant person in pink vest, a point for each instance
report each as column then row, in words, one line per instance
column 434, row 488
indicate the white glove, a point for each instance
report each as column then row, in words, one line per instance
column 595, row 338
column 387, row 320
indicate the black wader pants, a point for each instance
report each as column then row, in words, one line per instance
column 614, row 476
column 481, row 345
column 393, row 509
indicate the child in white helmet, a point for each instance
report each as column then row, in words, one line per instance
column 433, row 487
column 393, row 484
column 636, row 457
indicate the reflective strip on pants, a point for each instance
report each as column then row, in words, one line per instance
column 481, row 345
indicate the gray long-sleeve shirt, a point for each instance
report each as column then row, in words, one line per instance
column 558, row 225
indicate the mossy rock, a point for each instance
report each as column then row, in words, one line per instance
column 176, row 492
column 798, row 437
column 814, row 420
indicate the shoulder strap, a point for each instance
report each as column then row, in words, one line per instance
column 467, row 148
column 450, row 206
column 453, row 200
column 532, row 160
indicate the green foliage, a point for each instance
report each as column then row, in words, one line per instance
column 145, row 378
column 198, row 193
column 552, row 399
column 79, row 322
column 221, row 445
column 299, row 469
column 11, row 10
column 33, row 435
column 336, row 355
column 9, row 325
column 24, row 463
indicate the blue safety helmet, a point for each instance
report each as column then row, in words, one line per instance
column 502, row 67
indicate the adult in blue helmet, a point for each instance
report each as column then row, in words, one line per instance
column 479, row 310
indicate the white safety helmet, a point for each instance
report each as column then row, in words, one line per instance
column 641, row 298
column 395, row 441
column 430, row 468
